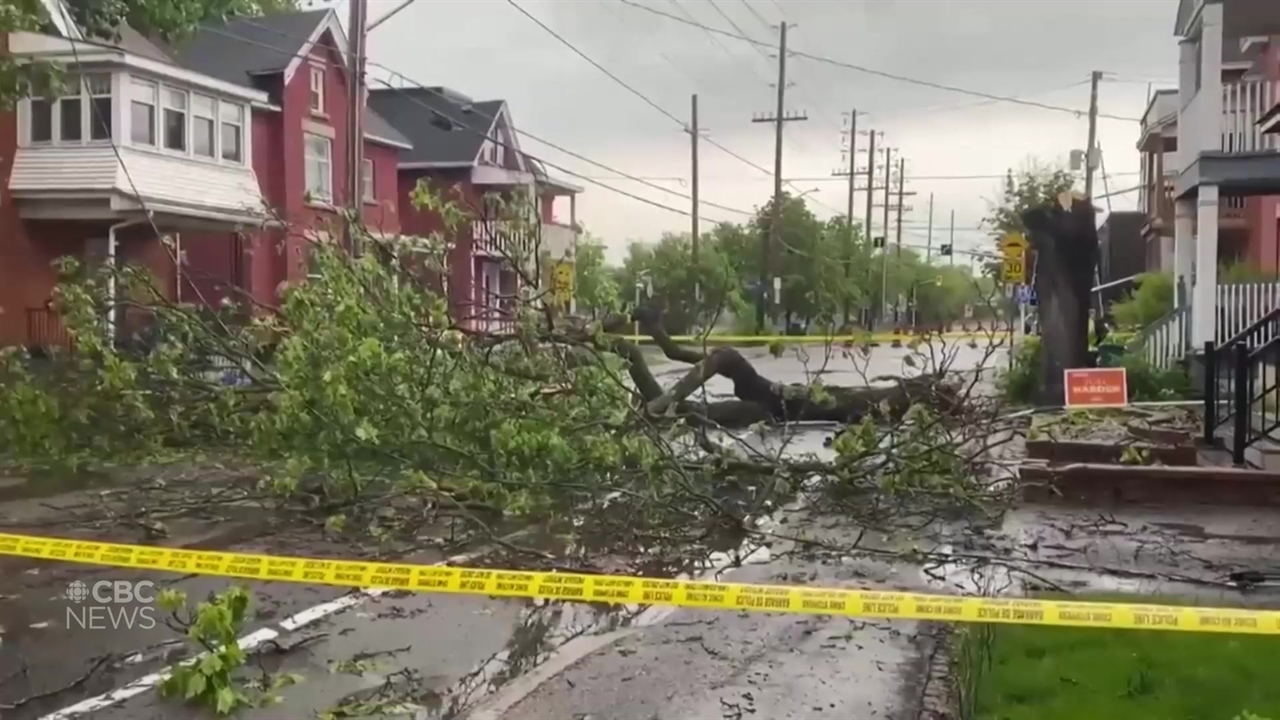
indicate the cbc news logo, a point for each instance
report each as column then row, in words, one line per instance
column 111, row 605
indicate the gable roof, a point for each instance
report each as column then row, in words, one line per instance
column 241, row 49
column 426, row 116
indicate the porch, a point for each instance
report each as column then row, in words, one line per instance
column 187, row 262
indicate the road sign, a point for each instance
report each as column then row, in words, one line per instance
column 1015, row 270
column 968, row 312
column 1013, row 244
column 1014, row 249
column 1027, row 295
column 562, row 283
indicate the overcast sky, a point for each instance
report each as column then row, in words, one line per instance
column 1038, row 50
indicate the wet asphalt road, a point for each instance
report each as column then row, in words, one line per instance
column 425, row 646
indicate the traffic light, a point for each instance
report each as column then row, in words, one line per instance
column 877, row 241
column 944, row 251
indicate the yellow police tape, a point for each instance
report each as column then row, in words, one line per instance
column 646, row 591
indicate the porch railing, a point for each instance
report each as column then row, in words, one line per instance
column 1242, row 305
column 1243, row 104
column 1241, row 308
column 1241, row 387
column 1164, row 342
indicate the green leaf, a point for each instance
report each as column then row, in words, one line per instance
column 225, row 701
column 196, row 684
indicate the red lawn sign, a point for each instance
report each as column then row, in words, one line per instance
column 1096, row 387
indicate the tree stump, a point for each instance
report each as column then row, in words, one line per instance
column 1064, row 236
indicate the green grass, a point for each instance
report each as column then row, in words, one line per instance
column 1050, row 673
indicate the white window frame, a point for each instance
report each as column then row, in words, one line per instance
column 322, row 193
column 85, row 97
column 240, row 124
column 167, row 93
column 135, row 88
column 367, row 180
column 211, row 117
column 316, row 95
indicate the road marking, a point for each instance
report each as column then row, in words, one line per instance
column 249, row 643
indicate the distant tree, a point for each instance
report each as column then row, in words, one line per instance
column 595, row 281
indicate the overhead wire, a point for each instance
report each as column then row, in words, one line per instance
column 884, row 73
column 497, row 140
column 668, row 114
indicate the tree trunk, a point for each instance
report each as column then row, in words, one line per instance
column 1065, row 241
column 759, row 399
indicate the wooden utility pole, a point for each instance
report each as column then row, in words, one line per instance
column 355, row 118
column 952, row 238
column 884, row 245
column 693, row 180
column 848, row 213
column 928, row 247
column 778, row 118
column 902, row 169
column 871, row 178
column 1094, row 79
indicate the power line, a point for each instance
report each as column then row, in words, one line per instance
column 883, row 73
column 759, row 17
column 711, row 141
column 497, row 140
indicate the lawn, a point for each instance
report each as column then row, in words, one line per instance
column 1050, row 673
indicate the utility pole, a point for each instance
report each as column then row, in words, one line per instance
column 355, row 118
column 952, row 237
column 902, row 169
column 884, row 246
column 871, row 177
column 1094, row 79
column 848, row 213
column 928, row 261
column 693, row 180
column 779, row 118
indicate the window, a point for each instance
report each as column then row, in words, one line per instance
column 98, row 87
column 62, row 117
column 366, row 180
column 142, row 112
column 319, row 162
column 203, row 124
column 42, row 120
column 232, row 117
column 175, row 120
column 317, row 90
column 70, row 110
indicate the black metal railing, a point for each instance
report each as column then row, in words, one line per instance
column 1241, row 387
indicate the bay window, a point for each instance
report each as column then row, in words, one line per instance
column 319, row 167
column 142, row 112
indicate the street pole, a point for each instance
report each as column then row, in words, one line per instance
column 871, row 177
column 848, row 241
column 928, row 261
column 355, row 119
column 902, row 169
column 772, row 240
column 693, row 186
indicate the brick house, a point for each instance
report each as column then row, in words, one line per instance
column 227, row 153
column 453, row 150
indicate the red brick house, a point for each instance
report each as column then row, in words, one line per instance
column 217, row 145
column 217, row 162
column 453, row 148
